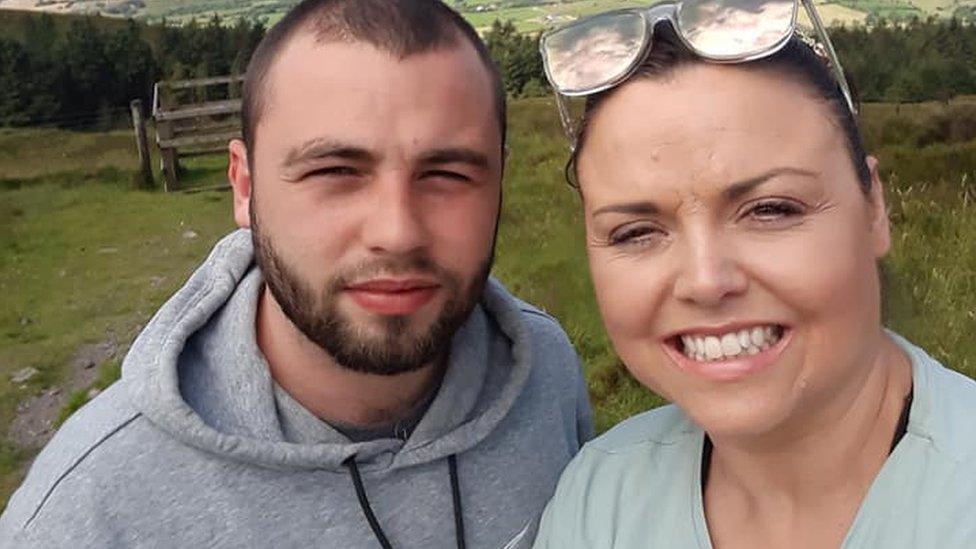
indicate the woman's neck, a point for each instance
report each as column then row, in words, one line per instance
column 804, row 483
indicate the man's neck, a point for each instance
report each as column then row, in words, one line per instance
column 330, row 391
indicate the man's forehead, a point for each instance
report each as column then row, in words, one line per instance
column 340, row 61
column 357, row 93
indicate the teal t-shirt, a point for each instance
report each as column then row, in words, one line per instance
column 639, row 484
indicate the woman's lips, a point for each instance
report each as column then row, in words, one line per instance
column 389, row 297
column 728, row 368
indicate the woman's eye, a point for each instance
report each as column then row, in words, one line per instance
column 642, row 234
column 774, row 210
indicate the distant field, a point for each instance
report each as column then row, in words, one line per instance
column 531, row 19
column 528, row 18
column 185, row 10
column 838, row 14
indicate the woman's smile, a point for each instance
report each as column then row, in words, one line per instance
column 728, row 353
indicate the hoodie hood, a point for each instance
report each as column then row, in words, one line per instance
column 197, row 373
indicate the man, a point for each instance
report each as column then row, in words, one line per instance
column 344, row 373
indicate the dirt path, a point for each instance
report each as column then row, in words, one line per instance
column 34, row 424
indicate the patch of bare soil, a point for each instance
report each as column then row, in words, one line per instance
column 34, row 424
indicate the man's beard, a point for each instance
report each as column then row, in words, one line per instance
column 396, row 349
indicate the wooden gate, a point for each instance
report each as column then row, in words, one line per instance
column 193, row 118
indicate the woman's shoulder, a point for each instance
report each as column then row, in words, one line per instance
column 662, row 426
column 649, row 444
column 943, row 407
column 635, row 482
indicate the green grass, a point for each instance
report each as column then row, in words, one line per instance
column 108, row 373
column 932, row 290
column 63, row 154
column 83, row 255
column 884, row 8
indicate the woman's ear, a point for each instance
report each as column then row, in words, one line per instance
column 878, row 211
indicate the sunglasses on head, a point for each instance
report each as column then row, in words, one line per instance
column 599, row 52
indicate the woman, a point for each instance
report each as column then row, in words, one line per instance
column 734, row 225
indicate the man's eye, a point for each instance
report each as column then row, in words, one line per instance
column 333, row 171
column 636, row 235
column 446, row 174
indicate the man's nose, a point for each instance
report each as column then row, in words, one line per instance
column 395, row 222
column 709, row 271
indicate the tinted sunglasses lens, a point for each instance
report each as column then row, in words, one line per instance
column 733, row 29
column 593, row 53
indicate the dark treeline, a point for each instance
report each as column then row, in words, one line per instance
column 913, row 61
column 84, row 72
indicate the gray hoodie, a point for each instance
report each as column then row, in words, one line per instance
column 196, row 446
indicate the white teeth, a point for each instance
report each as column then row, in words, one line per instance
column 730, row 345
column 713, row 348
column 758, row 336
column 719, row 347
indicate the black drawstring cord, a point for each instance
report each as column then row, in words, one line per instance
column 456, row 492
column 357, row 481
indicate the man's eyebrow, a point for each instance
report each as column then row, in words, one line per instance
column 325, row 148
column 741, row 188
column 632, row 208
column 456, row 154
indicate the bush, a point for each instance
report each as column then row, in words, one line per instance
column 956, row 125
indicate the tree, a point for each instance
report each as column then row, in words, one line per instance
column 517, row 56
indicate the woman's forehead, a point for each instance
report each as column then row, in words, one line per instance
column 707, row 122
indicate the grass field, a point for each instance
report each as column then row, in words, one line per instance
column 84, row 258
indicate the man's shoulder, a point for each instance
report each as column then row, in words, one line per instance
column 545, row 331
column 77, row 442
column 539, row 318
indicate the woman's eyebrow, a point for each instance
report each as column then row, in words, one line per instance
column 740, row 188
column 731, row 193
column 633, row 208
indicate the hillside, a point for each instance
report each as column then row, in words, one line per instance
column 530, row 15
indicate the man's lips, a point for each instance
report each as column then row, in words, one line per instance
column 393, row 297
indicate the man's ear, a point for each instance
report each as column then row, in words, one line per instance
column 878, row 210
column 239, row 175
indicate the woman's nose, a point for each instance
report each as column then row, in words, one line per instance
column 709, row 272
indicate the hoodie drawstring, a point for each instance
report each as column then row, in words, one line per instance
column 374, row 524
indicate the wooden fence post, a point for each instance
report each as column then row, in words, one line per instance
column 142, row 143
column 169, row 160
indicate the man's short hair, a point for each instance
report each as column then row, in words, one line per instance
column 400, row 27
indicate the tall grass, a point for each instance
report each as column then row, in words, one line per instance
column 931, row 296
